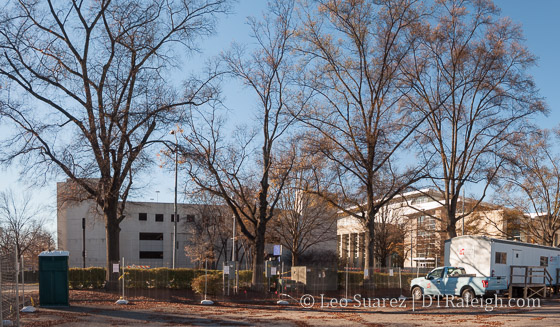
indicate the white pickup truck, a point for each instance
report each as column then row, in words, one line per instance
column 454, row 281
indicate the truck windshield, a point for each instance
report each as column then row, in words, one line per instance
column 453, row 271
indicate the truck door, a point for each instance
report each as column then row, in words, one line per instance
column 435, row 284
column 451, row 278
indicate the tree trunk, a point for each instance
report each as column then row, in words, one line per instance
column 258, row 258
column 369, row 244
column 451, row 223
column 382, row 258
column 112, row 232
column 295, row 254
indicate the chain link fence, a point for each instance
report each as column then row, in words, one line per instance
column 9, row 301
column 142, row 282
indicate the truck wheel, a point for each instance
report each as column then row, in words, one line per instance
column 416, row 293
column 467, row 295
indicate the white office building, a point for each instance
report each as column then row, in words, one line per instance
column 146, row 236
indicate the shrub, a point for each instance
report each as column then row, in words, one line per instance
column 84, row 278
column 215, row 283
column 245, row 277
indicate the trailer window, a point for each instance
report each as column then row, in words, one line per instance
column 501, row 257
column 544, row 261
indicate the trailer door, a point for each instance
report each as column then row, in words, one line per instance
column 554, row 267
column 517, row 258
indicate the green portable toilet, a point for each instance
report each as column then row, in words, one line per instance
column 53, row 278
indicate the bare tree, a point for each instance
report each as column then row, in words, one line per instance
column 245, row 170
column 353, row 52
column 532, row 186
column 492, row 220
column 304, row 220
column 22, row 225
column 207, row 235
column 211, row 232
column 470, row 76
column 390, row 231
column 44, row 241
column 86, row 89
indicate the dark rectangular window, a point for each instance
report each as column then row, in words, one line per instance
column 159, row 217
column 151, row 255
column 190, row 218
column 501, row 257
column 142, row 216
column 544, row 261
column 173, row 218
column 151, row 236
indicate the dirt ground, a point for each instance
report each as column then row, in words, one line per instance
column 149, row 313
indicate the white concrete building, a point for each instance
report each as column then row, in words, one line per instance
column 146, row 235
column 421, row 215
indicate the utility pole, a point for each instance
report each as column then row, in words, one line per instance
column 83, row 242
column 175, row 218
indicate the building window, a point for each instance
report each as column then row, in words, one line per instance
column 173, row 218
column 501, row 257
column 151, row 254
column 142, row 216
column 151, row 236
column 426, row 237
column 159, row 217
column 353, row 243
column 344, row 247
column 420, row 199
column 190, row 218
column 544, row 261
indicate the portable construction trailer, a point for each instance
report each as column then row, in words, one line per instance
column 488, row 257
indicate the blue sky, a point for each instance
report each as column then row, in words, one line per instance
column 541, row 26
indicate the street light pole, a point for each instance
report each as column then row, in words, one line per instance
column 233, row 257
column 463, row 205
column 233, row 243
column 175, row 218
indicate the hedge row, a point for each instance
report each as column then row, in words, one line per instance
column 186, row 278
column 180, row 278
column 80, row 278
